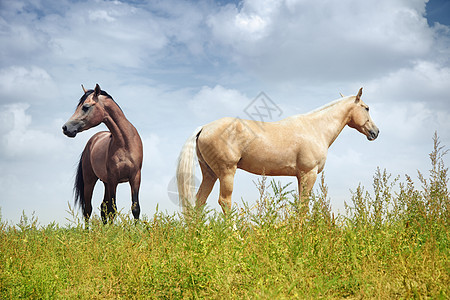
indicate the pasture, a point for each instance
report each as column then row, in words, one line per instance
column 392, row 242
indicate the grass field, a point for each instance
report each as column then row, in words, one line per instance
column 393, row 242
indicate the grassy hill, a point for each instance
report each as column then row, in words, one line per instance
column 392, row 242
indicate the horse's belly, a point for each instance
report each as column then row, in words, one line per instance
column 267, row 166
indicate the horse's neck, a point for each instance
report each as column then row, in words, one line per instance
column 330, row 120
column 121, row 129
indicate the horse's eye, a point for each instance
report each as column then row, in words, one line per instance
column 85, row 107
column 367, row 108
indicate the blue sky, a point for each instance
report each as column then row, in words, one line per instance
column 175, row 65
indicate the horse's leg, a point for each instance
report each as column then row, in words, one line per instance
column 108, row 207
column 88, row 190
column 135, row 183
column 105, row 204
column 226, row 188
column 208, row 181
column 90, row 179
column 112, row 207
column 305, row 183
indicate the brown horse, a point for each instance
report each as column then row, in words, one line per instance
column 296, row 146
column 113, row 156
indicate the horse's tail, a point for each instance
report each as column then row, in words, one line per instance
column 186, row 170
column 78, row 187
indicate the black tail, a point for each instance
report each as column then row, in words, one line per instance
column 78, row 187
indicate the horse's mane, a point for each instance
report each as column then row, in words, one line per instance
column 103, row 93
column 328, row 105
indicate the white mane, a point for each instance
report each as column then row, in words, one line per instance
column 330, row 104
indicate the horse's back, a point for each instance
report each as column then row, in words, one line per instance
column 272, row 148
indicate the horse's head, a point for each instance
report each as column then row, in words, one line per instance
column 361, row 120
column 89, row 113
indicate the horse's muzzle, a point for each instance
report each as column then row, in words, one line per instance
column 373, row 134
column 69, row 131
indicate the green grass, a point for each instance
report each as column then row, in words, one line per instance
column 390, row 243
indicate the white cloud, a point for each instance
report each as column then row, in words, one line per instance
column 213, row 103
column 248, row 24
column 100, row 15
column 152, row 153
column 107, row 33
column 425, row 82
column 323, row 40
column 406, row 122
column 29, row 84
column 18, row 141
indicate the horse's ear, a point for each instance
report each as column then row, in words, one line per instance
column 84, row 90
column 358, row 97
column 97, row 90
column 342, row 96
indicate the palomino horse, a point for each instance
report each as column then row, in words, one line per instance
column 295, row 146
column 113, row 156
